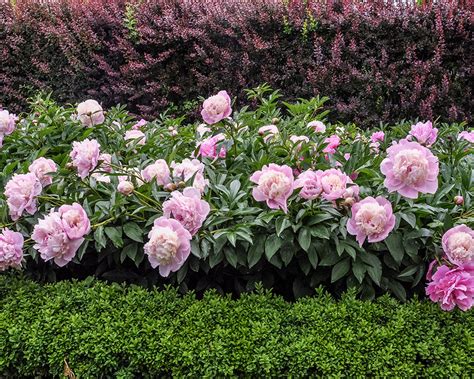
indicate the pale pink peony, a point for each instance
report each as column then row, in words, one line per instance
column 334, row 184
column 274, row 185
column 458, row 245
column 424, row 133
column 90, row 113
column 208, row 147
column 135, row 137
column 377, row 137
column 409, row 169
column 310, row 184
column 268, row 132
column 158, row 171
column 202, row 129
column 468, row 136
column 299, row 140
column 139, row 124
column 452, row 287
column 52, row 241
column 318, row 126
column 85, row 156
column 168, row 246
column 41, row 167
column 372, row 219
column 333, row 142
column 11, row 249
column 21, row 192
column 125, row 187
column 187, row 208
column 102, row 178
column 106, row 161
column 188, row 169
column 7, row 124
column 216, row 108
column 74, row 220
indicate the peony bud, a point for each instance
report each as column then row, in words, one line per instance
column 181, row 184
column 170, row 187
column 125, row 187
column 458, row 200
column 275, row 121
column 349, row 202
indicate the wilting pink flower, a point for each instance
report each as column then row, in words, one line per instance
column 409, row 169
column 168, row 246
column 333, row 142
column 135, row 136
column 334, row 184
column 139, row 124
column 372, row 219
column 318, row 126
column 208, row 147
column 452, row 287
column 424, row 133
column 21, row 192
column 125, row 187
column 7, row 124
column 106, row 162
column 189, row 168
column 41, row 167
column 458, row 200
column 74, row 220
column 268, row 132
column 90, row 113
column 158, row 171
column 377, row 137
column 187, row 208
column 458, row 245
column 202, row 129
column 11, row 249
column 310, row 184
column 52, row 241
column 274, row 185
column 216, row 108
column 468, row 136
column 85, row 156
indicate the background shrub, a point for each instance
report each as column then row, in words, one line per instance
column 377, row 62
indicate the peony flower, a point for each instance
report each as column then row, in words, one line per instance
column 216, row 108
column 377, row 137
column 168, row 246
column 7, row 124
column 11, row 249
column 188, row 169
column 299, row 140
column 158, row 171
column 310, row 184
column 21, row 192
column 268, row 131
column 458, row 245
column 102, row 178
column 452, row 287
column 372, row 219
column 318, row 126
column 333, row 142
column 52, row 241
column 274, row 185
column 135, row 137
column 424, row 133
column 409, row 169
column 85, row 156
column 202, row 129
column 458, row 200
column 106, row 162
column 187, row 208
column 41, row 167
column 74, row 220
column 468, row 136
column 139, row 124
column 208, row 147
column 90, row 113
column 334, row 184
column 125, row 187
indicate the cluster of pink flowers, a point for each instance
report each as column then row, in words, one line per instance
column 90, row 113
column 7, row 124
column 85, row 156
column 59, row 234
column 11, row 249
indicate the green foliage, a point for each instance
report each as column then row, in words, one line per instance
column 121, row 331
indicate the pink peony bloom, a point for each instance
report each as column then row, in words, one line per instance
column 268, row 132
column 135, row 137
column 299, row 140
column 21, row 192
column 139, row 124
column 41, row 167
column 377, row 137
column 274, row 185
column 424, row 133
column 216, row 108
column 318, row 126
column 106, row 162
column 468, row 136
column 11, row 249
column 208, row 147
column 7, row 124
column 125, row 187
column 102, row 178
column 168, row 246
column 52, row 241
column 202, row 129
column 334, row 184
column 333, row 142
column 90, row 113
column 409, row 169
column 188, row 169
column 372, row 219
column 74, row 220
column 158, row 171
column 187, row 208
column 452, row 287
column 85, row 156
column 310, row 184
column 458, row 245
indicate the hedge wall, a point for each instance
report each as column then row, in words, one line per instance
column 111, row 330
column 376, row 61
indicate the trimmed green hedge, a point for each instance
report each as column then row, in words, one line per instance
column 109, row 330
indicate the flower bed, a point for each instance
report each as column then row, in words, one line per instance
column 273, row 194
